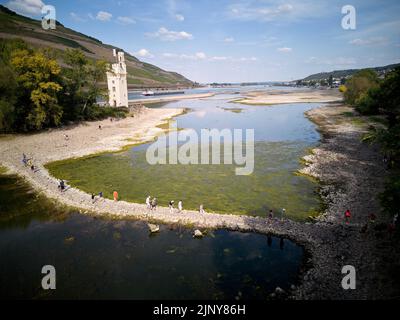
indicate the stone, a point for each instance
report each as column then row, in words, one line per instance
column 197, row 233
column 153, row 227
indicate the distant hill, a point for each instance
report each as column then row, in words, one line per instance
column 348, row 73
column 140, row 74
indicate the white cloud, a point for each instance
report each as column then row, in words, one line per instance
column 196, row 56
column 202, row 56
column 179, row 17
column 125, row 20
column 27, row 7
column 245, row 11
column 285, row 49
column 144, row 53
column 338, row 61
column 77, row 17
column 229, row 39
column 103, row 16
column 219, row 58
column 277, row 10
column 369, row 42
column 168, row 35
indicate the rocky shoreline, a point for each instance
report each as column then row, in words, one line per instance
column 350, row 172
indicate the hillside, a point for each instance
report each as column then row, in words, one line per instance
column 346, row 73
column 140, row 74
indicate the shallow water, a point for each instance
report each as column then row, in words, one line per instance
column 282, row 136
column 97, row 258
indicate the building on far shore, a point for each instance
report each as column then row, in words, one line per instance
column 117, row 83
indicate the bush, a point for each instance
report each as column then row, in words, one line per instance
column 360, row 84
column 368, row 102
column 96, row 112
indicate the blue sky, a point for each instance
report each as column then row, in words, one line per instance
column 237, row 41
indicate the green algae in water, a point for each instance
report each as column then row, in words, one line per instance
column 272, row 185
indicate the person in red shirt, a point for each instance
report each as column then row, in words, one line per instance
column 347, row 215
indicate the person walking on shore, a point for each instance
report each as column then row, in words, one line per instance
column 148, row 204
column 270, row 215
column 93, row 198
column 61, row 185
column 24, row 159
column 115, row 194
column 347, row 216
column 171, row 206
column 201, row 210
column 154, row 204
column 180, row 206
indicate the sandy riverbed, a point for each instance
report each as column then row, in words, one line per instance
column 270, row 97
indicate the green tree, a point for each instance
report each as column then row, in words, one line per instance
column 8, row 84
column 384, row 99
column 330, row 81
column 82, row 78
column 8, row 98
column 359, row 84
column 37, row 78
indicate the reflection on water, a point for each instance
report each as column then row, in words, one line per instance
column 282, row 133
column 98, row 258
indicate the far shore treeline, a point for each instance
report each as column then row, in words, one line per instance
column 380, row 97
column 43, row 88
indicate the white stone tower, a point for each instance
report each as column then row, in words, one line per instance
column 117, row 84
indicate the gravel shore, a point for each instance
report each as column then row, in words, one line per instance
column 351, row 174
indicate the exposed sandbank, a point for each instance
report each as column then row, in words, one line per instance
column 271, row 97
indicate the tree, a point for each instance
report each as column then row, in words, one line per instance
column 384, row 99
column 37, row 77
column 389, row 97
column 359, row 84
column 81, row 84
column 96, row 73
column 7, row 98
column 8, row 84
column 330, row 81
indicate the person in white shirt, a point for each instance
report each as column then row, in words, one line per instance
column 148, row 202
column 180, row 206
column 201, row 210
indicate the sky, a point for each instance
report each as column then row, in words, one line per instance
column 237, row 41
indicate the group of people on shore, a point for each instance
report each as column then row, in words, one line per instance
column 151, row 204
column 371, row 219
column 28, row 162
